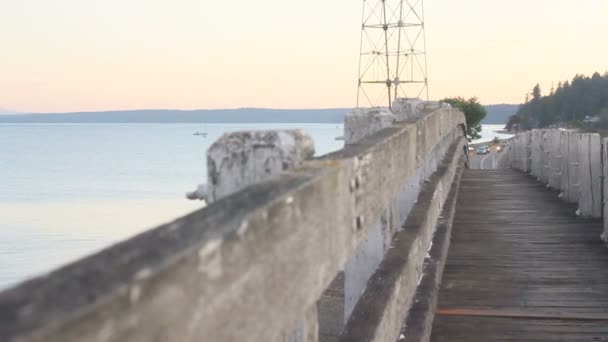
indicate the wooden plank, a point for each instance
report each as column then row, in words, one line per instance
column 523, row 313
column 488, row 329
column 521, row 266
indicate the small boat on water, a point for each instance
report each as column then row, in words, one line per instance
column 202, row 134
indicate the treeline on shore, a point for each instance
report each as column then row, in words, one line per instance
column 583, row 100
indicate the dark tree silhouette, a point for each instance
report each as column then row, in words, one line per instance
column 569, row 102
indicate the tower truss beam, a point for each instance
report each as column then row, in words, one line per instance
column 393, row 52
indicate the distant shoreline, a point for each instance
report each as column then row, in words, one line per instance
column 242, row 115
column 496, row 114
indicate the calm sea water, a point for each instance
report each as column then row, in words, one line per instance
column 68, row 190
column 489, row 132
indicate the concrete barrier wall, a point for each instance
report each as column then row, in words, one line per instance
column 384, row 305
column 566, row 161
column 253, row 264
column 605, row 192
column 517, row 154
column 435, row 135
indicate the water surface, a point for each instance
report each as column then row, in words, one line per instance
column 68, row 190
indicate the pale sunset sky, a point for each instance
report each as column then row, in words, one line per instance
column 88, row 55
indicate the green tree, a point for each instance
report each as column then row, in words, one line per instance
column 474, row 113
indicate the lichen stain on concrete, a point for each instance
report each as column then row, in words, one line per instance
column 174, row 227
column 133, row 321
column 106, row 332
column 243, row 228
column 143, row 274
column 210, row 259
column 134, row 294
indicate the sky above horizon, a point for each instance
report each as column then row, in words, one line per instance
column 90, row 55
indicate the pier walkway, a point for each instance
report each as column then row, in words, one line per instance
column 396, row 237
column 521, row 266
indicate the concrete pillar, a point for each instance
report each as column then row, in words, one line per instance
column 240, row 159
column 531, row 152
column 411, row 109
column 539, row 155
column 573, row 168
column 517, row 154
column 555, row 163
column 597, row 176
column 536, row 154
column 514, row 155
column 563, row 142
column 511, row 159
column 524, row 151
column 506, row 161
column 407, row 109
column 363, row 122
column 522, row 155
column 528, row 144
column 605, row 186
column 546, row 152
column 590, row 201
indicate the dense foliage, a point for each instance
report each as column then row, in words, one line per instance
column 474, row 113
column 571, row 102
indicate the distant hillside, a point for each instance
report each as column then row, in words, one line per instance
column 243, row 115
column 499, row 114
column 4, row 111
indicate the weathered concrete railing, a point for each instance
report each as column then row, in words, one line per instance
column 255, row 264
column 572, row 162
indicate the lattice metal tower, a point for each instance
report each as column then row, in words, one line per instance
column 393, row 52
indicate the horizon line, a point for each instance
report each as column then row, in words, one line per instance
column 12, row 112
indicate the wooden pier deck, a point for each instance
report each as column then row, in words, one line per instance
column 521, row 266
